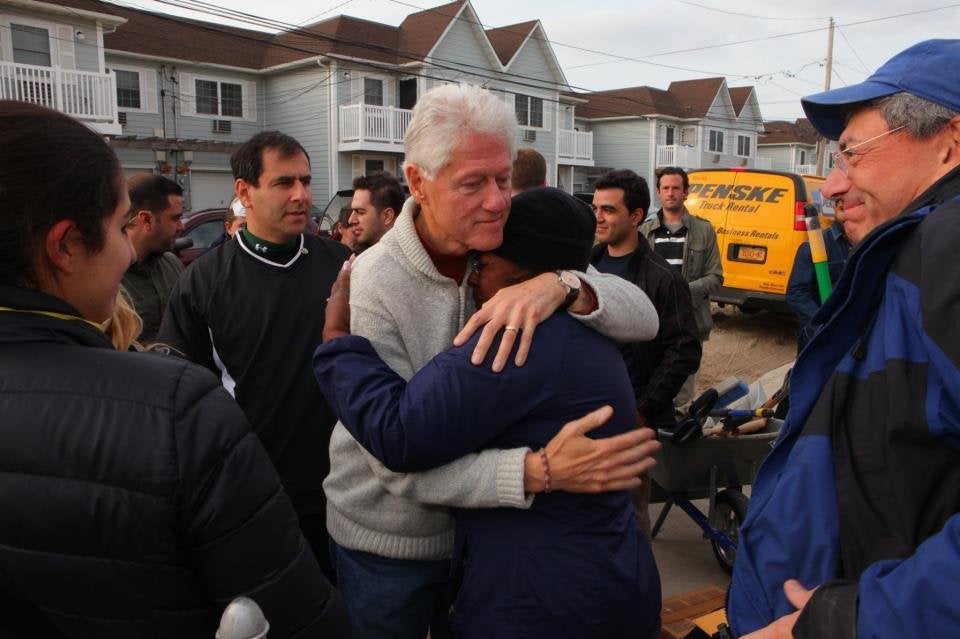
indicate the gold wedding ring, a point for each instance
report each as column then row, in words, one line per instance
column 511, row 328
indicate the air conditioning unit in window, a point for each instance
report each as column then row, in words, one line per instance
column 529, row 135
column 221, row 126
column 122, row 118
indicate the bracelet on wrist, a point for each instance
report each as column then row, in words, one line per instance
column 546, row 470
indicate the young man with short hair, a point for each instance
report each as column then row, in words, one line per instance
column 689, row 244
column 377, row 200
column 156, row 205
column 659, row 367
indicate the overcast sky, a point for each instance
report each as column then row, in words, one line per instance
column 610, row 44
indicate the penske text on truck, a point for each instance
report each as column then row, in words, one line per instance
column 760, row 223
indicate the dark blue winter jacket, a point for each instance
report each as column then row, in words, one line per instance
column 860, row 495
column 570, row 566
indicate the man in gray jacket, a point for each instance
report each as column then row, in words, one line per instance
column 689, row 244
column 391, row 535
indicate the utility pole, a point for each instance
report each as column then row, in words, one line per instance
column 821, row 143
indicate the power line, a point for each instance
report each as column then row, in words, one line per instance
column 770, row 37
column 850, row 44
column 746, row 15
column 460, row 67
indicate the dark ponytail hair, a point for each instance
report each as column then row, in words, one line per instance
column 52, row 168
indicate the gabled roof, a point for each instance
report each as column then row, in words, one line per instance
column 420, row 32
column 632, row 101
column 342, row 35
column 696, row 96
column 506, row 41
column 739, row 95
column 184, row 39
column 783, row 132
column 179, row 38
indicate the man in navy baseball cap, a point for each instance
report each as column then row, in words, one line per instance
column 854, row 522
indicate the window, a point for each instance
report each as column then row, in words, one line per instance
column 31, row 45
column 743, row 146
column 803, row 157
column 716, row 141
column 669, row 134
column 529, row 110
column 372, row 166
column 128, row 89
column 219, row 98
column 373, row 91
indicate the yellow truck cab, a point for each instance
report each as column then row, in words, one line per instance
column 760, row 223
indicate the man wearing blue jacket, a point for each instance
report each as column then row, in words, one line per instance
column 853, row 528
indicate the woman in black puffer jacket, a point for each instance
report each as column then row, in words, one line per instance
column 134, row 499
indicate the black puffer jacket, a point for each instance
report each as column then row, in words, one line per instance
column 659, row 367
column 134, row 499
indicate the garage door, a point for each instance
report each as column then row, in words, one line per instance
column 210, row 189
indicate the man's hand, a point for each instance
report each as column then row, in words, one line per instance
column 519, row 309
column 579, row 464
column 782, row 628
column 336, row 321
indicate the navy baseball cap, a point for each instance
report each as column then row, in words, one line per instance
column 926, row 70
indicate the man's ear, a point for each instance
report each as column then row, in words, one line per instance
column 636, row 216
column 389, row 216
column 415, row 180
column 60, row 245
column 242, row 189
column 145, row 218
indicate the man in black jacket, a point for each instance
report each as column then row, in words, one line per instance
column 252, row 311
column 659, row 367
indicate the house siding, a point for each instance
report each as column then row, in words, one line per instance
column 623, row 145
column 298, row 103
column 463, row 47
column 186, row 125
column 780, row 157
column 85, row 53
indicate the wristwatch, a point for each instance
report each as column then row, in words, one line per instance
column 571, row 283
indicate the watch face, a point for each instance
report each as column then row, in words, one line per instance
column 570, row 280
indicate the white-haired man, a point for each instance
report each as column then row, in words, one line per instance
column 410, row 298
column 860, row 499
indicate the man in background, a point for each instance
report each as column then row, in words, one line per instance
column 659, row 367
column 689, row 244
column 156, row 205
column 529, row 171
column 377, row 200
column 803, row 292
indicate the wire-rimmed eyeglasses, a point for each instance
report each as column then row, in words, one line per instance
column 845, row 158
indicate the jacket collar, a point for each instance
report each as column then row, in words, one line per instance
column 643, row 247
column 31, row 316
column 684, row 219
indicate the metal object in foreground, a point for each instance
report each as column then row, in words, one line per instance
column 243, row 619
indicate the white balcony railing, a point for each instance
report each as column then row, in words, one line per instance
column 678, row 155
column 82, row 94
column 371, row 123
column 574, row 145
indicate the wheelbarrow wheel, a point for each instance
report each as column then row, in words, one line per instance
column 729, row 511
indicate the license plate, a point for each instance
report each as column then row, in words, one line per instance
column 755, row 254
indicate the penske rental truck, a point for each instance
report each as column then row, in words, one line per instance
column 760, row 222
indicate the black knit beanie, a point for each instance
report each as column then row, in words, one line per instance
column 548, row 230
